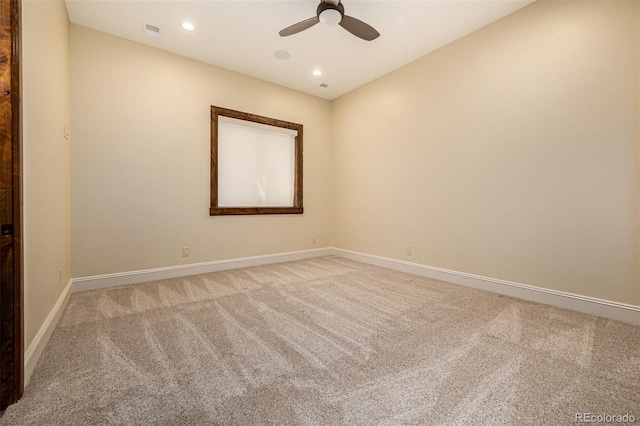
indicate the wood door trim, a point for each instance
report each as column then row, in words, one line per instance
column 11, row 305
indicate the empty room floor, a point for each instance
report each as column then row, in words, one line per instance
column 325, row 341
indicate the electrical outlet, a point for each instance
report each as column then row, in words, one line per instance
column 313, row 240
column 185, row 251
column 407, row 250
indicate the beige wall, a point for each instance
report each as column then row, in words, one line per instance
column 46, row 161
column 511, row 153
column 140, row 165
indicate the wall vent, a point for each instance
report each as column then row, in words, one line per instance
column 151, row 30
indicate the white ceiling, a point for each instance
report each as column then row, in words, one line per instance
column 242, row 35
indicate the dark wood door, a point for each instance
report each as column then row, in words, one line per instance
column 11, row 337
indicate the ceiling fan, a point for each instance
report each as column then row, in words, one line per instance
column 331, row 12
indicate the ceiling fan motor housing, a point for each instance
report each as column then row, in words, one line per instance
column 330, row 14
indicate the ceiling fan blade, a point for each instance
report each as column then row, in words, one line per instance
column 300, row 26
column 359, row 28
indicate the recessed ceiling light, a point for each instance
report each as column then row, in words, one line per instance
column 282, row 54
column 317, row 72
column 188, row 26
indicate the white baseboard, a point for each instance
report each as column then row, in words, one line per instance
column 124, row 278
column 575, row 302
column 35, row 349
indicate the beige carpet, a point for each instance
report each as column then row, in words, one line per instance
column 325, row 341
